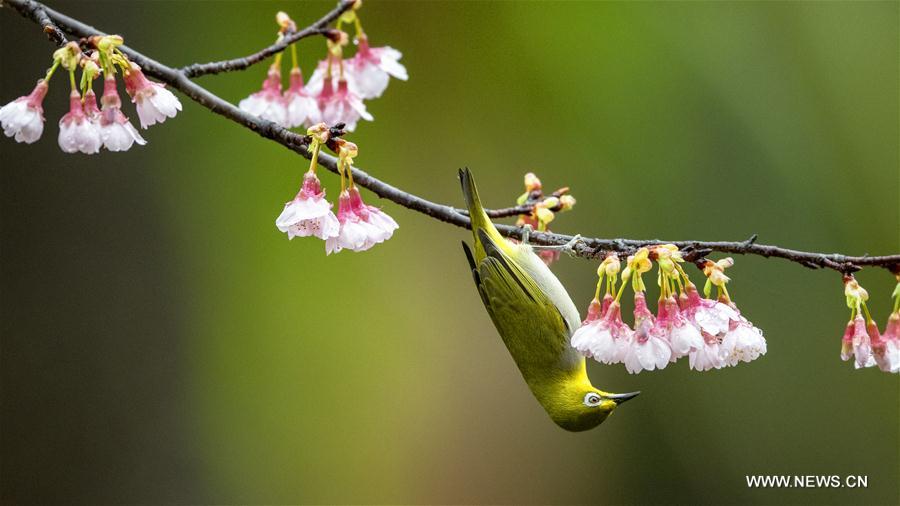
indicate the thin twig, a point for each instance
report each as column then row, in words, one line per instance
column 37, row 13
column 586, row 247
column 317, row 28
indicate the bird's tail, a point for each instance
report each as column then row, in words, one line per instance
column 479, row 218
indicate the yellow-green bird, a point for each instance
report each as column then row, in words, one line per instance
column 535, row 317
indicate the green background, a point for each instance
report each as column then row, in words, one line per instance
column 163, row 343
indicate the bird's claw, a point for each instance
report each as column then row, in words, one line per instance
column 526, row 233
column 569, row 247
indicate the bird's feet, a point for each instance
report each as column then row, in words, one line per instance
column 567, row 248
column 526, row 233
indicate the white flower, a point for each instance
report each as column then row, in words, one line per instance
column 647, row 354
column 710, row 316
column 343, row 106
column 379, row 226
column 362, row 226
column 743, row 343
column 887, row 354
column 268, row 103
column 154, row 102
column 117, row 133
column 23, row 118
column 309, row 214
column 647, row 350
column 671, row 325
column 372, row 68
column 889, row 361
column 302, row 109
column 76, row 131
column 314, row 84
column 353, row 235
column 714, row 318
column 603, row 336
column 707, row 357
column 119, row 136
column 684, row 338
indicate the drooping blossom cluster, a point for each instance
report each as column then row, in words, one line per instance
column 338, row 86
column 712, row 334
column 356, row 227
column 862, row 341
column 87, row 128
column 543, row 211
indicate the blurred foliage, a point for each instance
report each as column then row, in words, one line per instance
column 162, row 342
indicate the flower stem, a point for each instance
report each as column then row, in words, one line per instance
column 314, row 159
column 294, row 56
column 52, row 70
column 72, row 79
column 866, row 311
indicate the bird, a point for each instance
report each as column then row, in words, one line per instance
column 535, row 317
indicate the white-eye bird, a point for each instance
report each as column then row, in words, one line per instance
column 535, row 317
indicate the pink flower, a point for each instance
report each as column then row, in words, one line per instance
column 683, row 336
column 857, row 343
column 709, row 316
column 382, row 225
column 154, row 102
column 76, row 131
column 309, row 214
column 361, row 226
column 708, row 356
column 342, row 106
column 116, row 131
column 372, row 68
column 603, row 335
column 742, row 343
column 24, row 116
column 647, row 350
column 886, row 348
column 302, row 109
column 267, row 103
column 315, row 83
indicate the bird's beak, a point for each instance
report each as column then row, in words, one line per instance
column 620, row 398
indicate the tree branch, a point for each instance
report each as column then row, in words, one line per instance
column 37, row 13
column 317, row 28
column 587, row 247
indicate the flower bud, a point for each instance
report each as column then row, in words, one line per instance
column 107, row 42
column 610, row 265
column 285, row 22
column 68, row 56
column 532, row 182
column 550, row 203
column 855, row 294
column 641, row 260
column 346, row 149
column 544, row 215
column 715, row 271
column 566, row 202
column 319, row 132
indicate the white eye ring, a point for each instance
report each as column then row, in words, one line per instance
column 591, row 399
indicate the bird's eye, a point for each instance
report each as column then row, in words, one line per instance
column 592, row 399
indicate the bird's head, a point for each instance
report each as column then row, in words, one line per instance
column 578, row 406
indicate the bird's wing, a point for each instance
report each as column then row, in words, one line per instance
column 529, row 323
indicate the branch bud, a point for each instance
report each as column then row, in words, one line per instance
column 319, row 132
column 566, row 203
column 532, row 182
column 68, row 56
column 610, row 266
column 286, row 24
